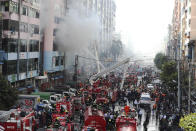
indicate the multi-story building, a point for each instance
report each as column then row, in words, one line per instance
column 52, row 59
column 20, row 40
column 106, row 10
column 174, row 31
column 188, row 33
column 188, row 23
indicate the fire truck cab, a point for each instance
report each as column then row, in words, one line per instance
column 94, row 119
column 14, row 120
column 126, row 121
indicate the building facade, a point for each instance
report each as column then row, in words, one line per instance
column 20, row 40
column 106, row 11
column 183, row 33
column 52, row 59
column 188, row 24
column 174, row 31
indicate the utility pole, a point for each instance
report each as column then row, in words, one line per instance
column 18, row 45
column 64, row 64
column 76, row 71
column 191, row 55
column 179, row 88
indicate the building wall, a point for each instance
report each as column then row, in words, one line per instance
column 106, row 10
column 28, row 48
column 51, row 55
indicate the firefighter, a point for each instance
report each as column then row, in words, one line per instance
column 62, row 110
column 57, row 123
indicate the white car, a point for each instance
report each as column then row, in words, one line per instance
column 66, row 93
column 53, row 99
column 46, row 103
column 145, row 99
column 150, row 86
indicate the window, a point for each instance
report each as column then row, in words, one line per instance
column 57, row 61
column 5, row 24
column 33, row 64
column 34, row 13
column 54, row 32
column 57, row 20
column 55, row 46
column 24, row 11
column 10, row 45
column 23, row 45
column 34, row 29
column 37, row 14
column 34, row 46
column 10, row 67
column 61, row 60
column 23, row 66
column 6, row 5
column 24, row 27
column 13, row 7
column 11, row 25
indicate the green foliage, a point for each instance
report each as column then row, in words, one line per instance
column 8, row 95
column 160, row 59
column 188, row 123
column 169, row 73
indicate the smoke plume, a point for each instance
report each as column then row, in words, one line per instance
column 78, row 29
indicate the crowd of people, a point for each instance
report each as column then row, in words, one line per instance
column 163, row 110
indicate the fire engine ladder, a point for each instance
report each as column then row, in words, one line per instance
column 93, row 78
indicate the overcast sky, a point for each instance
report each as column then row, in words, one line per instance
column 143, row 24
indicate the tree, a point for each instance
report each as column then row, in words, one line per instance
column 8, row 95
column 159, row 60
column 188, row 123
column 169, row 74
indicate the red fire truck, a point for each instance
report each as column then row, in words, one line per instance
column 126, row 121
column 13, row 121
column 94, row 119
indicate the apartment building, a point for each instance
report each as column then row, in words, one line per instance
column 51, row 58
column 106, row 10
column 174, row 31
column 188, row 24
column 20, row 40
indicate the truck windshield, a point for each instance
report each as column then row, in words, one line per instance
column 53, row 98
column 145, row 98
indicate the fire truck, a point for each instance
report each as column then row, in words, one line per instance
column 15, row 120
column 126, row 120
column 94, row 119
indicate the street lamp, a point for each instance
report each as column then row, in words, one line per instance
column 191, row 46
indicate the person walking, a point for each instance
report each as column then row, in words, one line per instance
column 140, row 115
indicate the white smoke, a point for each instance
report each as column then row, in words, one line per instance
column 78, row 29
column 45, row 16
